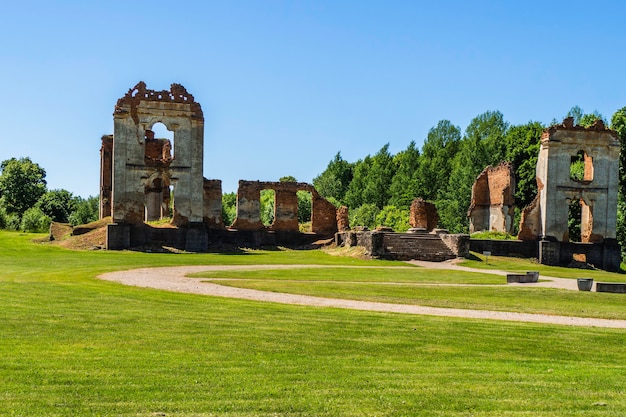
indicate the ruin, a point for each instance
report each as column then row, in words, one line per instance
column 423, row 215
column 576, row 165
column 143, row 179
column 492, row 206
column 323, row 213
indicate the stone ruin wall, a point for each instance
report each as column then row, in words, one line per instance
column 492, row 205
column 343, row 219
column 547, row 216
column 212, row 198
column 423, row 215
column 323, row 213
column 143, row 167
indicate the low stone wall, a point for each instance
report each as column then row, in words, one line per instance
column 200, row 238
column 516, row 248
column 406, row 246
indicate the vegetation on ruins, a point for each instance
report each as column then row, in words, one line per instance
column 74, row 345
column 445, row 168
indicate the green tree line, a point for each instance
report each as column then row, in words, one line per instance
column 379, row 188
column 26, row 204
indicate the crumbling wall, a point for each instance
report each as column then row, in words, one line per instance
column 343, row 220
column 597, row 190
column 492, row 206
column 137, row 156
column 324, row 216
column 423, row 215
column 323, row 213
column 212, row 198
column 106, row 176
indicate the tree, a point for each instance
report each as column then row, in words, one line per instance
column 288, row 178
column 438, row 151
column 58, row 205
column 333, row 183
column 406, row 184
column 391, row 216
column 267, row 207
column 482, row 145
column 22, row 183
column 354, row 194
column 229, row 208
column 523, row 143
column 618, row 123
column 365, row 215
column 35, row 221
column 86, row 211
column 577, row 113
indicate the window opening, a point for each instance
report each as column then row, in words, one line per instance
column 305, row 208
column 581, row 167
column 267, row 207
column 574, row 221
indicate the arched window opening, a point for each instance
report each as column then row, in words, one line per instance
column 159, row 144
column 581, row 167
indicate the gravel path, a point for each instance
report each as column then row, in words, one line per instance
column 174, row 279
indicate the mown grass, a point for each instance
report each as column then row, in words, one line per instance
column 73, row 345
column 410, row 286
column 522, row 265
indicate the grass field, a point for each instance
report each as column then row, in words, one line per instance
column 73, row 345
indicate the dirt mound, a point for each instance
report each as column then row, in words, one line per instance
column 88, row 236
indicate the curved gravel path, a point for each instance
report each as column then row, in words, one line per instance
column 175, row 279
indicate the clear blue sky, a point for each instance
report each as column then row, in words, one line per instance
column 285, row 85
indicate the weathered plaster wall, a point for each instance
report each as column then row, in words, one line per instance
column 598, row 190
column 134, row 164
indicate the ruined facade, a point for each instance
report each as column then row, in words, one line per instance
column 144, row 178
column 323, row 213
column 144, row 168
column 423, row 215
column 492, row 206
column 581, row 166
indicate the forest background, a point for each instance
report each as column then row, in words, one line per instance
column 378, row 189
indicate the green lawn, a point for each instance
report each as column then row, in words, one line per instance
column 73, row 345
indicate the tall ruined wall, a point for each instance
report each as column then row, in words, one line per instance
column 492, row 206
column 323, row 213
column 596, row 191
column 139, row 158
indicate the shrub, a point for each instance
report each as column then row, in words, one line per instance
column 393, row 217
column 35, row 221
column 364, row 216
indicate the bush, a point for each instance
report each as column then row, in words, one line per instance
column 393, row 217
column 492, row 236
column 364, row 216
column 35, row 221
column 86, row 211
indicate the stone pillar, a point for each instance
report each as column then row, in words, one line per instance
column 285, row 211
